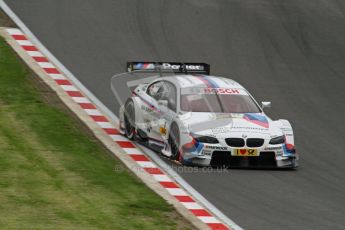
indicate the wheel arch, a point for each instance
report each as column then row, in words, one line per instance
column 137, row 108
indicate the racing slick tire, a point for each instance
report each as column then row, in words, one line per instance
column 129, row 119
column 174, row 142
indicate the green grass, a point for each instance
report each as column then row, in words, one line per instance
column 54, row 176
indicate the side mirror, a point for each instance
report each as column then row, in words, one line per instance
column 266, row 104
column 163, row 103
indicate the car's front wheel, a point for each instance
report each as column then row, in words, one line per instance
column 129, row 119
column 174, row 141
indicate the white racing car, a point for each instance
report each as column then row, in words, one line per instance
column 203, row 120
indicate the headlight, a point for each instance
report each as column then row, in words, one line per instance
column 277, row 140
column 205, row 139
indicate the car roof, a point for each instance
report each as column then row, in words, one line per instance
column 185, row 81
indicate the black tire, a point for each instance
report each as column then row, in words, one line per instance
column 129, row 119
column 174, row 141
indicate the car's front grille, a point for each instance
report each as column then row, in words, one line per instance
column 239, row 142
column 235, row 142
column 255, row 142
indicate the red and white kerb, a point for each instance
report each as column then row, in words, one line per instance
column 136, row 154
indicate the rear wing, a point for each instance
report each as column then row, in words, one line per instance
column 175, row 67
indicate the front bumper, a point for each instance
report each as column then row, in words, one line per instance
column 264, row 160
column 212, row 155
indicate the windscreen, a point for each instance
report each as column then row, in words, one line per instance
column 217, row 100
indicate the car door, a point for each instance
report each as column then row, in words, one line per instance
column 150, row 108
column 166, row 102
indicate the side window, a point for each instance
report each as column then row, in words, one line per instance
column 155, row 90
column 170, row 95
column 163, row 90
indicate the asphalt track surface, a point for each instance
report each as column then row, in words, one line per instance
column 290, row 52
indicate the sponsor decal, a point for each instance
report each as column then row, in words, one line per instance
column 147, row 66
column 256, row 119
column 211, row 90
column 151, row 106
column 162, row 130
column 177, row 67
column 215, row 147
column 249, row 128
column 246, row 152
column 167, row 66
column 273, row 148
column 221, row 91
column 219, row 130
column 207, row 152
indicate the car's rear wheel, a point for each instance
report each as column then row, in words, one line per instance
column 174, row 141
column 129, row 119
